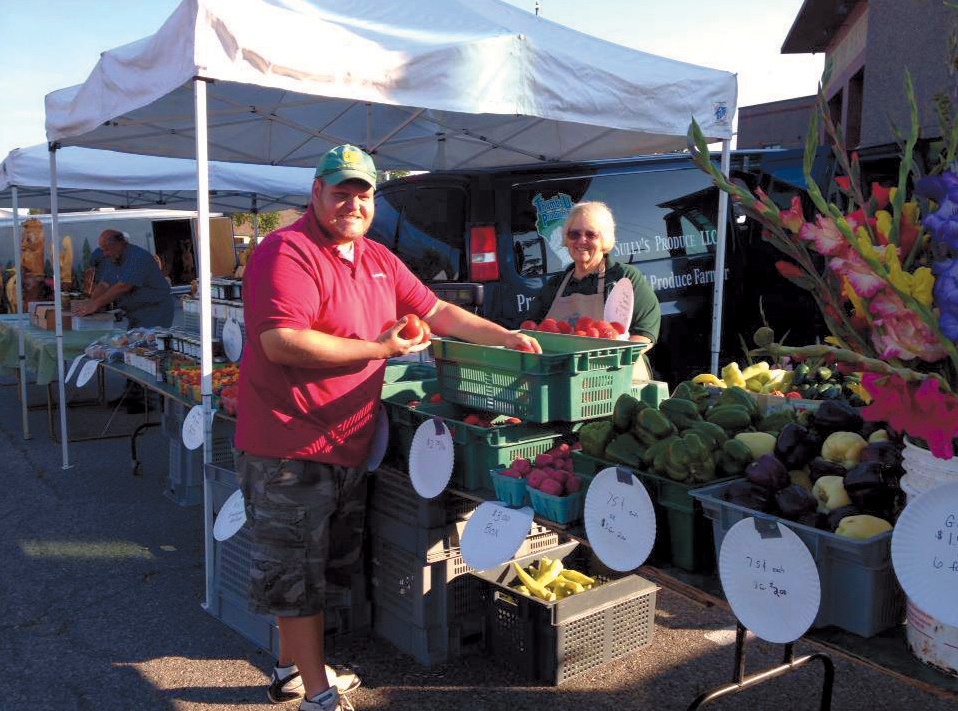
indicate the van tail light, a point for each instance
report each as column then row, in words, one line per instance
column 483, row 262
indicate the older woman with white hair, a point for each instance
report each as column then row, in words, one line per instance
column 582, row 289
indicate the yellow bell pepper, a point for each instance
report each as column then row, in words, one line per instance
column 732, row 375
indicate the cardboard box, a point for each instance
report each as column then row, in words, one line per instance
column 45, row 317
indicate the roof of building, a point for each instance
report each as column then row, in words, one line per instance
column 816, row 24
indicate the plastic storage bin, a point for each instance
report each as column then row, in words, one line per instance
column 393, row 494
column 476, row 449
column 184, row 482
column 555, row 641
column 860, row 592
column 683, row 534
column 573, row 379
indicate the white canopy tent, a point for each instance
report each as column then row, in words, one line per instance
column 427, row 85
column 89, row 178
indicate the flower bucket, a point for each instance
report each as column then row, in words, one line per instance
column 930, row 640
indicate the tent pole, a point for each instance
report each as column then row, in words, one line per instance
column 206, row 326
column 58, row 306
column 255, row 213
column 719, row 287
column 21, row 323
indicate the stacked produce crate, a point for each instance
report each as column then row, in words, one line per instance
column 347, row 611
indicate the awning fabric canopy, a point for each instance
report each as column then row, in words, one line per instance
column 421, row 85
column 89, row 178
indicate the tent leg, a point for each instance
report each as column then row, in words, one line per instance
column 21, row 322
column 206, row 326
column 719, row 287
column 58, row 306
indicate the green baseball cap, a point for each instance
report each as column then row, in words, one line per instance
column 344, row 163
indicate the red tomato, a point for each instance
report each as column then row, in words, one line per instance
column 524, row 347
column 435, row 398
column 564, row 327
column 583, row 322
column 549, row 325
column 592, row 332
column 528, row 325
column 608, row 333
column 471, row 419
column 389, row 324
column 619, row 328
column 580, row 333
column 413, row 328
column 602, row 325
column 426, row 332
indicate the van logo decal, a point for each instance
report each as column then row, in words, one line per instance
column 720, row 109
column 550, row 216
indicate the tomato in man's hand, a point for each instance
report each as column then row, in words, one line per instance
column 389, row 324
column 524, row 347
column 413, row 328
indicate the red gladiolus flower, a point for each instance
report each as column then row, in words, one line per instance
column 789, row 270
column 843, row 182
column 880, row 195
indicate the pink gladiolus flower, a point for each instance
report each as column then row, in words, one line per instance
column 919, row 410
column 899, row 333
column 825, row 236
column 863, row 280
column 792, row 218
column 843, row 182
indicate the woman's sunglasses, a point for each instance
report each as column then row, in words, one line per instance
column 588, row 234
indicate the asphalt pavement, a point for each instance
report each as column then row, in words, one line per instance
column 103, row 580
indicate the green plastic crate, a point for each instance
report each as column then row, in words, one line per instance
column 573, row 379
column 683, row 535
column 476, row 449
column 398, row 372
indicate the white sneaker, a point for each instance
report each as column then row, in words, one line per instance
column 344, row 680
column 329, row 700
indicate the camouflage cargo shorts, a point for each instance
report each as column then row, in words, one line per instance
column 307, row 523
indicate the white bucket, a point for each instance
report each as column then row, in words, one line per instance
column 933, row 642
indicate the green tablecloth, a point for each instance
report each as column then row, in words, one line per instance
column 40, row 346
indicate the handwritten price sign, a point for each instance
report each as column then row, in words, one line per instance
column 924, row 552
column 431, row 458
column 770, row 579
column 192, row 432
column 619, row 519
column 493, row 534
column 618, row 307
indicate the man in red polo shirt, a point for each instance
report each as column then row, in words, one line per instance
column 316, row 296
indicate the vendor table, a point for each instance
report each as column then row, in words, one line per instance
column 40, row 346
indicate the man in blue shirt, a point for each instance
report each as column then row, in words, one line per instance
column 130, row 276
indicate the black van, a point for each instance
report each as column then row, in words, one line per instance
column 489, row 239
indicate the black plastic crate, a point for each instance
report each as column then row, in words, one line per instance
column 555, row 641
column 424, row 594
column 393, row 494
column 432, row 644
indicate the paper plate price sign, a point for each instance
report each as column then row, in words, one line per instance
column 231, row 517
column 377, row 450
column 73, row 367
column 233, row 339
column 86, row 372
column 924, row 552
column 493, row 534
column 431, row 458
column 619, row 519
column 770, row 579
column 618, row 307
column 192, row 431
